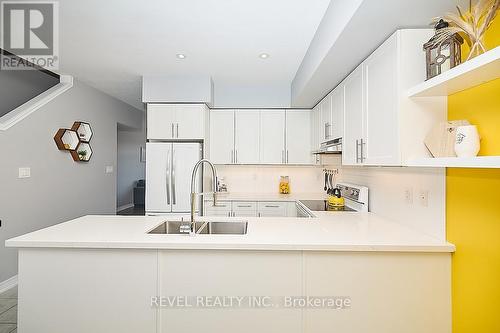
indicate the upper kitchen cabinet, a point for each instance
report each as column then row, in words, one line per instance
column 382, row 125
column 176, row 121
column 315, row 135
column 353, row 117
column 222, row 136
column 298, row 137
column 337, row 116
column 246, row 137
column 272, row 137
column 326, row 118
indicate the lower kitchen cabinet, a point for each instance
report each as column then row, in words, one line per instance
column 244, row 208
column 271, row 209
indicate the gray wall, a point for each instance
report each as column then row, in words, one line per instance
column 59, row 189
column 129, row 168
column 25, row 83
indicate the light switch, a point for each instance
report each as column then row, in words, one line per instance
column 24, row 173
column 109, row 169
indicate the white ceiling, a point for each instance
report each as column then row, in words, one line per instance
column 110, row 44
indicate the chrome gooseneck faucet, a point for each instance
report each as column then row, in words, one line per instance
column 192, row 230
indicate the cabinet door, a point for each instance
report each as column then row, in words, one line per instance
column 222, row 136
column 160, row 121
column 223, row 208
column 272, row 136
column 246, row 136
column 315, row 140
column 158, row 180
column 337, row 127
column 353, row 117
column 298, row 137
column 381, row 119
column 244, row 208
column 272, row 209
column 190, row 121
column 326, row 119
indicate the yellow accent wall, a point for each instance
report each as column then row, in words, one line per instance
column 473, row 212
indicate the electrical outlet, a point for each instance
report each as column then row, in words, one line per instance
column 409, row 196
column 109, row 169
column 423, row 197
column 24, row 173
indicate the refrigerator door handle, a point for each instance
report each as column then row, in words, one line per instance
column 173, row 176
column 167, row 180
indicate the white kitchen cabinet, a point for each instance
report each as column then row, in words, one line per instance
column 222, row 136
column 298, row 137
column 382, row 125
column 246, row 137
column 223, row 208
column 272, row 137
column 353, row 117
column 271, row 209
column 326, row 119
column 176, row 121
column 381, row 108
column 315, row 136
column 244, row 208
column 337, row 99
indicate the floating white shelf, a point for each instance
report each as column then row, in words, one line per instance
column 481, row 69
column 457, row 162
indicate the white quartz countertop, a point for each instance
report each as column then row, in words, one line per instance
column 329, row 231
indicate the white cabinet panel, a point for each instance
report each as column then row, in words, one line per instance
column 326, row 119
column 176, row 121
column 223, row 208
column 337, row 128
column 298, row 137
column 247, row 123
column 315, row 135
column 272, row 136
column 222, row 136
column 190, row 121
column 158, row 192
column 160, row 121
column 244, row 208
column 381, row 120
column 271, row 208
column 353, row 117
column 208, row 273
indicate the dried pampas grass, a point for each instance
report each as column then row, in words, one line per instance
column 471, row 24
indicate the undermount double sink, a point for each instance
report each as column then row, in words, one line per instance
column 203, row 228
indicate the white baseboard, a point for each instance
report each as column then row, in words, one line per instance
column 127, row 206
column 8, row 284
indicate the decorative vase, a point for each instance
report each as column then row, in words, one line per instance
column 467, row 141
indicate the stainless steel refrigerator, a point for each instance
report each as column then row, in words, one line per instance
column 169, row 166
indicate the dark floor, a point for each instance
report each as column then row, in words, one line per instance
column 8, row 311
column 136, row 210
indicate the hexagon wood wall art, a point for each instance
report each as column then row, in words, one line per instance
column 76, row 141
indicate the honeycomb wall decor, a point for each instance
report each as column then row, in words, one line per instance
column 76, row 141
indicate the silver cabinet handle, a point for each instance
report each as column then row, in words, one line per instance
column 167, row 180
column 357, row 151
column 244, row 206
column 287, row 156
column 272, row 206
column 228, row 214
column 173, row 177
column 172, row 130
column 362, row 155
column 177, row 128
column 282, row 156
column 258, row 214
column 236, row 156
column 232, row 156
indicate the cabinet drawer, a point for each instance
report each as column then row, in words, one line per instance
column 272, row 208
column 223, row 208
column 244, row 205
